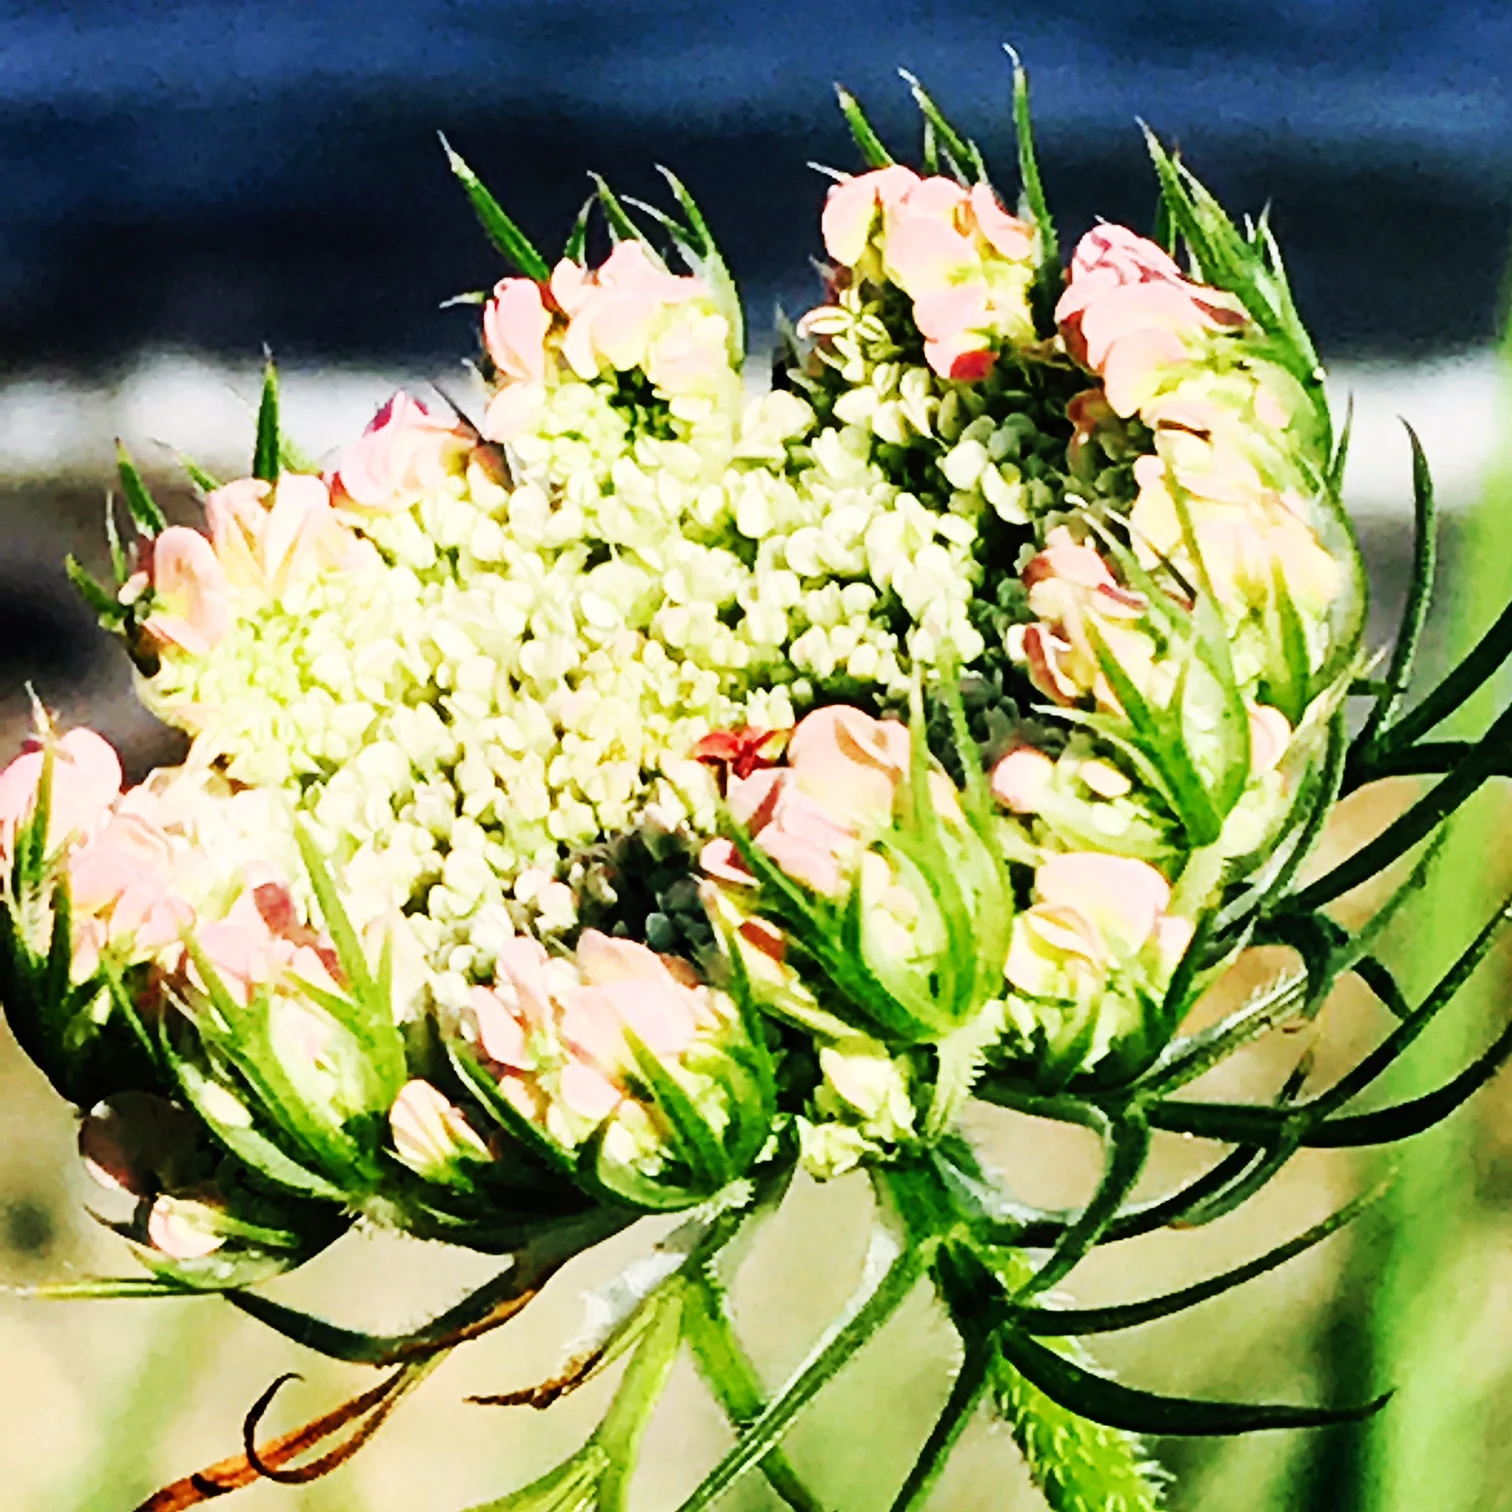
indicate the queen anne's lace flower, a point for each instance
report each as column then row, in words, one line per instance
column 592, row 719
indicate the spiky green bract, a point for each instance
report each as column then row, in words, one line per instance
column 1079, row 1465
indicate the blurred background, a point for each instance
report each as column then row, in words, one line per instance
column 182, row 181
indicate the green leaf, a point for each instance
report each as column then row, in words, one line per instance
column 1403, row 1120
column 575, row 248
column 255, row 1150
column 872, row 150
column 205, row 482
column 1127, row 1147
column 1333, row 480
column 1075, row 1321
column 119, row 564
column 613, row 1182
column 621, row 227
column 712, row 266
column 1250, row 268
column 962, row 155
column 94, row 593
column 697, row 1144
column 108, row 1288
column 1415, row 610
column 1288, row 678
column 829, row 1358
column 1409, row 829
column 507, row 237
column 1135, row 1411
column 1489, row 653
column 640, row 1390
column 531, row 1267
column 1047, row 278
column 966, row 1392
column 505, row 1114
column 370, row 1014
column 1316, row 802
column 149, row 519
column 1164, row 747
column 266, row 460
column 929, row 163
column 1444, row 991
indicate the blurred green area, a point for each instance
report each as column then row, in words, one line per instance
column 104, row 1401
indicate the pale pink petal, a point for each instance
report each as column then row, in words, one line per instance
column 521, row 962
column 719, row 859
column 1270, row 733
column 951, row 312
column 1021, row 779
column 621, row 328
column 923, row 256
column 188, row 579
column 570, row 285
column 1136, row 307
column 512, row 410
column 753, row 800
column 1122, row 898
column 850, row 209
column 1136, row 365
column 602, row 959
column 501, row 1035
column 936, row 198
column 587, row 1092
column 515, row 325
column 1007, row 235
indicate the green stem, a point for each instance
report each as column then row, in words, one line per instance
column 1079, row 1465
column 732, row 1378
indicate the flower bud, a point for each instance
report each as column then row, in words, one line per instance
column 1091, row 957
column 432, row 1135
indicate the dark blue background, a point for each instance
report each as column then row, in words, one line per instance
column 218, row 173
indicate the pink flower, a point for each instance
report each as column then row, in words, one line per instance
column 1245, row 538
column 1093, row 912
column 191, row 608
column 850, row 762
column 1074, row 593
column 1128, row 314
column 842, row 778
column 1108, row 258
column 614, row 313
column 85, row 783
column 624, row 986
column 269, row 537
column 515, row 325
column 1007, row 235
column 121, row 891
column 262, row 943
column 148, row 1149
column 851, row 209
column 1021, row 778
column 404, row 454
column 431, row 1133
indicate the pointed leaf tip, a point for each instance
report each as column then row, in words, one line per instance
column 265, row 457
column 506, row 236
